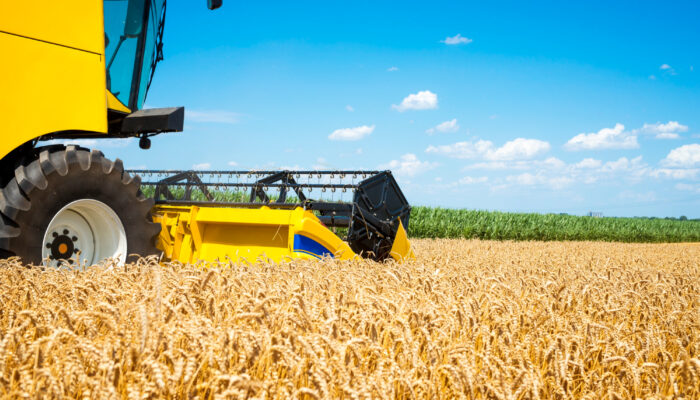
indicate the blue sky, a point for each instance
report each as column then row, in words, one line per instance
column 527, row 106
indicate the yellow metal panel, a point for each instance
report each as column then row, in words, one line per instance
column 72, row 23
column 250, row 242
column 164, row 238
column 258, row 216
column 195, row 230
column 240, row 233
column 113, row 103
column 401, row 249
column 46, row 88
column 185, row 252
column 311, row 227
column 222, row 233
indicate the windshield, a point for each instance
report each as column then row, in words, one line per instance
column 130, row 43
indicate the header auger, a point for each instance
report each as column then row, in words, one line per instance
column 79, row 70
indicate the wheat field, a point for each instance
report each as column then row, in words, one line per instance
column 466, row 319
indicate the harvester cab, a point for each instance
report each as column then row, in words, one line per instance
column 82, row 70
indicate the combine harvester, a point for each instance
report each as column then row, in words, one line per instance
column 81, row 70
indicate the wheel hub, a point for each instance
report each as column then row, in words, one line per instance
column 63, row 246
column 85, row 231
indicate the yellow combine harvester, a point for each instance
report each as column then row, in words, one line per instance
column 80, row 70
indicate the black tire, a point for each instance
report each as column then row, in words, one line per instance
column 57, row 177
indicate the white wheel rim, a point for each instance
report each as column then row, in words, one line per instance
column 84, row 232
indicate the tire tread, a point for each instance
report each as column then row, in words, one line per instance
column 31, row 182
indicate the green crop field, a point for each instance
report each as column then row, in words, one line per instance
column 427, row 222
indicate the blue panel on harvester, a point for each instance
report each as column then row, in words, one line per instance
column 305, row 244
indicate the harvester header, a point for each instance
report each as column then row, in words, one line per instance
column 278, row 215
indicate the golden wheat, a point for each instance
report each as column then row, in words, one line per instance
column 467, row 319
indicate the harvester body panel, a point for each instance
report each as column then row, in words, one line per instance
column 191, row 233
column 52, row 71
column 75, row 69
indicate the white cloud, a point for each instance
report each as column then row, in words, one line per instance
column 457, row 39
column 321, row 163
column 676, row 174
column 688, row 187
column 392, row 69
column 517, row 149
column 606, row 138
column 528, row 179
column 498, row 165
column 590, row 170
column 350, row 108
column 588, row 163
column 201, row 166
column 464, row 150
column 622, row 164
column 559, row 182
column 232, row 164
column 447, row 126
column 551, row 163
column 524, row 179
column 356, row 133
column 408, row 165
column 557, row 174
column 294, row 167
column 669, row 130
column 667, row 69
column 652, row 77
column 634, row 169
column 670, row 126
column 637, row 197
column 502, row 165
column 214, row 116
column 618, row 138
column 668, row 136
column 470, row 180
column 684, row 156
column 423, row 100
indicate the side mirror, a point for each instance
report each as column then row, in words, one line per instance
column 134, row 19
column 214, row 4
